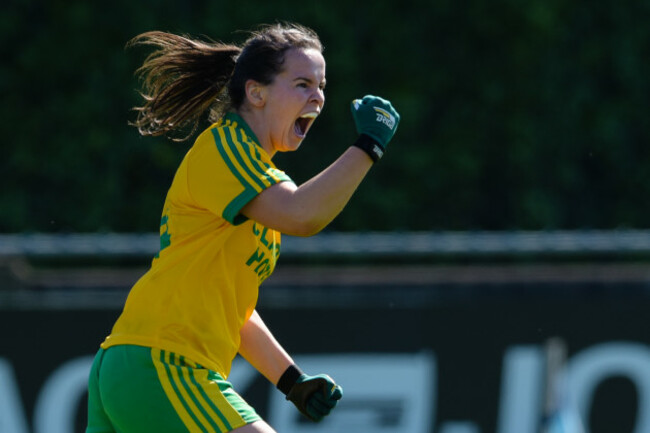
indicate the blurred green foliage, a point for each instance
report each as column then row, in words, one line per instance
column 515, row 115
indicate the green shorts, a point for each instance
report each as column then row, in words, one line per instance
column 134, row 389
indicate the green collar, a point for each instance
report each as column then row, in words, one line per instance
column 241, row 123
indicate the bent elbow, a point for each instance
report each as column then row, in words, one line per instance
column 304, row 224
column 305, row 228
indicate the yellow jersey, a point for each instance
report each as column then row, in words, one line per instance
column 203, row 284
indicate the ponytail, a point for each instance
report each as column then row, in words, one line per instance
column 181, row 80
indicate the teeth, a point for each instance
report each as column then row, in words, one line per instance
column 311, row 115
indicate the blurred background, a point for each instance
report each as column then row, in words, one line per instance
column 499, row 253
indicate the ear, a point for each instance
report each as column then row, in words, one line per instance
column 255, row 93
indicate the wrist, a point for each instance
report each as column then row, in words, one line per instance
column 369, row 145
column 289, row 378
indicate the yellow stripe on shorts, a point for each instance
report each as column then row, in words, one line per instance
column 215, row 399
column 186, row 410
column 197, row 399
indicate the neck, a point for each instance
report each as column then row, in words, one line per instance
column 260, row 128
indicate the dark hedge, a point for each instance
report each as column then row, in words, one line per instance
column 515, row 115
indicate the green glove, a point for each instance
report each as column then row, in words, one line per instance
column 376, row 118
column 314, row 396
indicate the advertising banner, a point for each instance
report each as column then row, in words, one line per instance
column 483, row 359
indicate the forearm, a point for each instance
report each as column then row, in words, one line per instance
column 324, row 196
column 307, row 209
column 262, row 350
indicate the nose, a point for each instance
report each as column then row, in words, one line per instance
column 318, row 96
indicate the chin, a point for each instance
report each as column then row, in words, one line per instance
column 290, row 148
column 294, row 145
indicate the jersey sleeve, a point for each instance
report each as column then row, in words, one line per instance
column 226, row 170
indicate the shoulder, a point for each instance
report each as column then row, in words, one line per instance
column 232, row 143
column 234, row 140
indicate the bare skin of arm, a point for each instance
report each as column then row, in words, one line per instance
column 261, row 349
column 306, row 209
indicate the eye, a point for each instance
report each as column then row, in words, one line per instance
column 303, row 85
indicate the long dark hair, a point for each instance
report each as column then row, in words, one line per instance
column 185, row 78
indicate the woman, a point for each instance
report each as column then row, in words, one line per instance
column 164, row 366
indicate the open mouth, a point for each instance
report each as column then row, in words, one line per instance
column 303, row 123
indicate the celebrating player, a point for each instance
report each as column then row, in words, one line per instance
column 164, row 366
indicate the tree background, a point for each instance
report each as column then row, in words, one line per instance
column 515, row 115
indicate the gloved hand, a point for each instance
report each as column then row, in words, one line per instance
column 314, row 396
column 375, row 118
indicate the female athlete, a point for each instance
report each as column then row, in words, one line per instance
column 164, row 366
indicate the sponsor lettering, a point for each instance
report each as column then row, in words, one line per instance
column 409, row 406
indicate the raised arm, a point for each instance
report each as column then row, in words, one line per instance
column 306, row 209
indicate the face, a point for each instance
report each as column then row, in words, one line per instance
column 293, row 100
